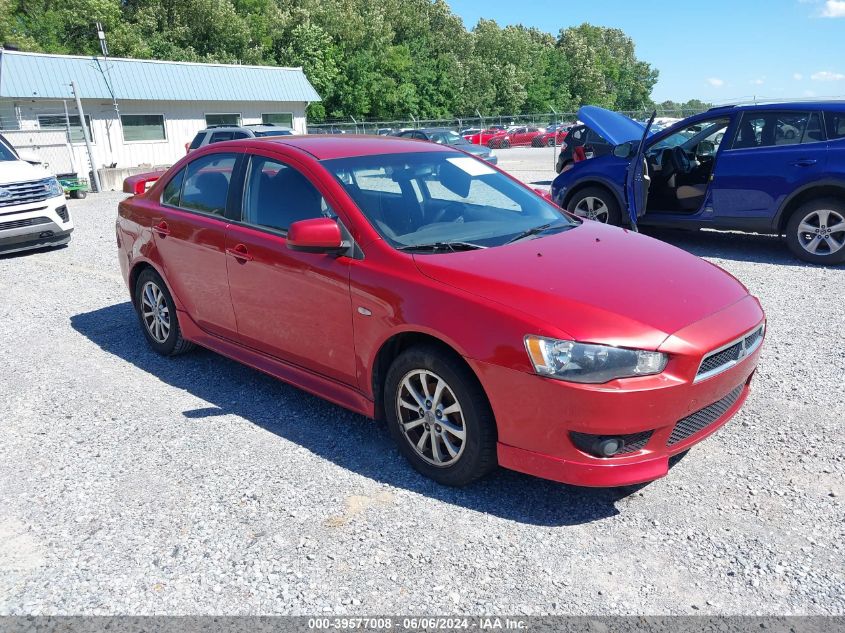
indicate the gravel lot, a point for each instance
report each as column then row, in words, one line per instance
column 132, row 484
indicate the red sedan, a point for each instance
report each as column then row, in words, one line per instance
column 485, row 136
column 417, row 284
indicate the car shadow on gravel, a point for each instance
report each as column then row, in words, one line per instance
column 349, row 440
column 746, row 247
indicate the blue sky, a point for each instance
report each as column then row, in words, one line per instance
column 719, row 50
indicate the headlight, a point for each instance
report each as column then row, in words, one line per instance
column 54, row 188
column 582, row 362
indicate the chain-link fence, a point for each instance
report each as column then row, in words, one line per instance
column 384, row 126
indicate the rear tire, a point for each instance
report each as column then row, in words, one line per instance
column 551, row 142
column 815, row 232
column 78, row 194
column 491, row 144
column 596, row 203
column 156, row 312
column 453, row 441
column 536, row 142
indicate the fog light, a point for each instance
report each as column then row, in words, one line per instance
column 608, row 447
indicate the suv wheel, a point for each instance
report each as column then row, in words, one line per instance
column 157, row 314
column 816, row 232
column 439, row 417
column 596, row 203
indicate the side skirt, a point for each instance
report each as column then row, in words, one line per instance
column 320, row 386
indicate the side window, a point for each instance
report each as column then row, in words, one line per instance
column 197, row 140
column 206, row 185
column 420, row 136
column 216, row 137
column 835, row 124
column 814, row 132
column 170, row 197
column 240, row 135
column 278, row 195
column 770, row 129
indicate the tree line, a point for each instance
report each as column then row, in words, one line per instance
column 381, row 59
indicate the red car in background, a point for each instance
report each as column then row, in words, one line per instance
column 553, row 136
column 412, row 282
column 485, row 136
column 519, row 136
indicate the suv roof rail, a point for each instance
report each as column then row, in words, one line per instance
column 216, row 125
column 722, row 107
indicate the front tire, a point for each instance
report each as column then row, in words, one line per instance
column 815, row 232
column 157, row 314
column 439, row 417
column 505, row 144
column 596, row 203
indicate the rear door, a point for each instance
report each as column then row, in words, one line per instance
column 292, row 305
column 190, row 234
column 772, row 153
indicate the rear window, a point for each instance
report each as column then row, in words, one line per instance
column 197, row 140
column 206, row 184
column 835, row 124
column 772, row 129
column 216, row 137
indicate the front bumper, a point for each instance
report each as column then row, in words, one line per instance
column 537, row 416
column 35, row 225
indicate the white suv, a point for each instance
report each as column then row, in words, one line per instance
column 33, row 213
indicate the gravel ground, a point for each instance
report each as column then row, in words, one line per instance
column 133, row 484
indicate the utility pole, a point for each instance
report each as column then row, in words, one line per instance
column 69, row 139
column 101, row 35
column 94, row 175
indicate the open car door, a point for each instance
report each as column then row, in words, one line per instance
column 637, row 180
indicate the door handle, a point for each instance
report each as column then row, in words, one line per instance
column 162, row 229
column 240, row 252
column 805, row 162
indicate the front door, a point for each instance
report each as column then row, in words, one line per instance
column 292, row 305
column 772, row 154
column 189, row 229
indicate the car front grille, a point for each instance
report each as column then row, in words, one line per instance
column 726, row 357
column 17, row 224
column 24, row 192
column 701, row 419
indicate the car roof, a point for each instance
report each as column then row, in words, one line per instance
column 784, row 105
column 328, row 146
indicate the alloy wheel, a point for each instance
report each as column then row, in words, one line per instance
column 155, row 312
column 592, row 208
column 431, row 418
column 822, row 232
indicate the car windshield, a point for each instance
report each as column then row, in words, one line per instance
column 273, row 133
column 6, row 152
column 414, row 199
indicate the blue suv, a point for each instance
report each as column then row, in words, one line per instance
column 774, row 168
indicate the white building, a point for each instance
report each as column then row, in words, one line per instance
column 160, row 105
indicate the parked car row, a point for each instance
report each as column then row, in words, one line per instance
column 774, row 168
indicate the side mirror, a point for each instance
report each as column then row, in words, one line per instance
column 318, row 235
column 623, row 151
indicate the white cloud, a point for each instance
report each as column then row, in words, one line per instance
column 757, row 82
column 797, row 76
column 826, row 75
column 833, row 9
column 809, row 93
column 715, row 81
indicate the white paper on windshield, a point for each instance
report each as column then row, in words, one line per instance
column 471, row 166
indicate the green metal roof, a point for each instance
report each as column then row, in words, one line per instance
column 36, row 75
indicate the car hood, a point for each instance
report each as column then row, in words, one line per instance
column 614, row 127
column 19, row 170
column 595, row 283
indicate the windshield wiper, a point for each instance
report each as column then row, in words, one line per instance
column 539, row 229
column 442, row 246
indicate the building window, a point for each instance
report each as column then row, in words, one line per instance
column 284, row 119
column 143, row 127
column 222, row 119
column 58, row 122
